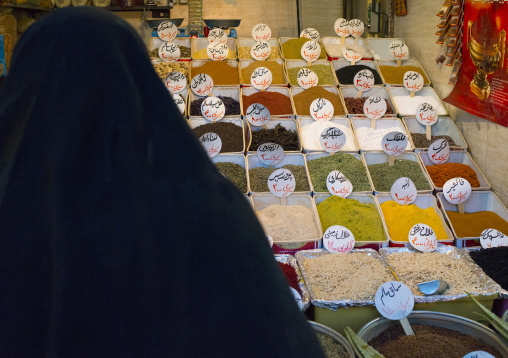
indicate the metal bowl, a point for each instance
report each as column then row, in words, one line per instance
column 154, row 23
column 335, row 335
column 438, row 319
column 222, row 23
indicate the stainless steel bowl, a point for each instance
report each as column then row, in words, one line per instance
column 460, row 324
column 335, row 335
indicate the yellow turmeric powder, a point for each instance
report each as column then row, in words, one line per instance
column 401, row 218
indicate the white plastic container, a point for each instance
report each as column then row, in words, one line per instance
column 401, row 95
column 351, row 145
column 295, row 90
column 338, row 64
column 443, row 126
column 456, row 157
column 371, row 158
column 196, row 122
column 302, row 63
column 478, row 201
column 376, row 91
column 423, row 201
column 232, row 158
column 224, row 91
column 382, row 123
column 289, row 158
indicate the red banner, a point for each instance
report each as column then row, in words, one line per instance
column 482, row 87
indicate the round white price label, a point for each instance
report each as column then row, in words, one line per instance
column 398, row 50
column 261, row 78
column 413, row 81
column 217, row 51
column 374, row 107
column 307, row 78
column 270, row 153
column 257, row 114
column 281, row 183
column 394, row 143
column 456, row 190
column 212, row 143
column 338, row 184
column 341, row 27
column 321, row 109
column 422, row 238
column 439, row 151
column 213, row 109
column 479, row 354
column 403, row 191
column 270, row 240
column 310, row 33
column 493, row 238
column 297, row 297
column 169, row 52
column 356, row 27
column 332, row 139
column 394, row 300
column 310, row 51
column 260, row 51
column 426, row 114
column 351, row 55
column 167, row 31
column 261, row 32
column 364, row 80
column 202, row 84
column 180, row 103
column 176, row 82
column 217, row 36
column 338, row 239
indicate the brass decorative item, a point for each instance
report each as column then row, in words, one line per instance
column 486, row 60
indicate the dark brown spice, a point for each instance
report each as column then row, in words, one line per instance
column 420, row 140
column 286, row 138
column 355, row 105
column 230, row 134
column 231, row 104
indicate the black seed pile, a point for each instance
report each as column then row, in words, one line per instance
column 346, row 75
column 494, row 262
column 230, row 134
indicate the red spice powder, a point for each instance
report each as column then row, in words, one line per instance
column 441, row 173
column 290, row 274
column 277, row 103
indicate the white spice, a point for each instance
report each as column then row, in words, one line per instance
column 370, row 139
column 337, row 50
column 288, row 223
column 309, row 135
column 407, row 105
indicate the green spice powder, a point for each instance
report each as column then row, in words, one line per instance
column 324, row 73
column 383, row 176
column 362, row 219
column 292, row 49
column 235, row 173
column 258, row 178
column 350, row 166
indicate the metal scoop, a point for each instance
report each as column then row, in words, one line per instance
column 435, row 287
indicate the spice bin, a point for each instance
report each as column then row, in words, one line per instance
column 196, row 122
column 423, row 201
column 245, row 81
column 289, row 158
column 393, row 63
column 456, row 157
column 261, row 201
column 156, row 42
column 215, row 70
column 288, row 123
column 283, row 40
column 308, row 144
column 371, row 158
column 319, row 328
column 380, row 48
column 233, row 158
column 223, row 91
column 165, row 68
column 376, row 91
column 313, row 156
column 343, row 63
column 363, row 199
column 200, row 43
column 406, row 106
column 382, row 124
column 443, row 126
column 296, row 91
column 290, row 260
column 455, row 322
column 477, row 201
column 249, row 90
column 248, row 42
column 327, row 79
column 334, row 52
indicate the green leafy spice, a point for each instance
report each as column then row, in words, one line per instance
column 235, row 173
column 350, row 166
column 258, row 178
column 324, row 73
column 383, row 176
column 331, row 347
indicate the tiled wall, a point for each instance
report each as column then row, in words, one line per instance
column 488, row 142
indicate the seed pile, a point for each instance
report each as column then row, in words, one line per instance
column 346, row 75
column 494, row 262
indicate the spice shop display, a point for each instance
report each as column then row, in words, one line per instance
column 231, row 104
column 199, row 49
column 278, row 103
column 275, row 67
column 302, row 99
column 320, row 165
column 291, row 48
column 223, row 73
column 322, row 69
